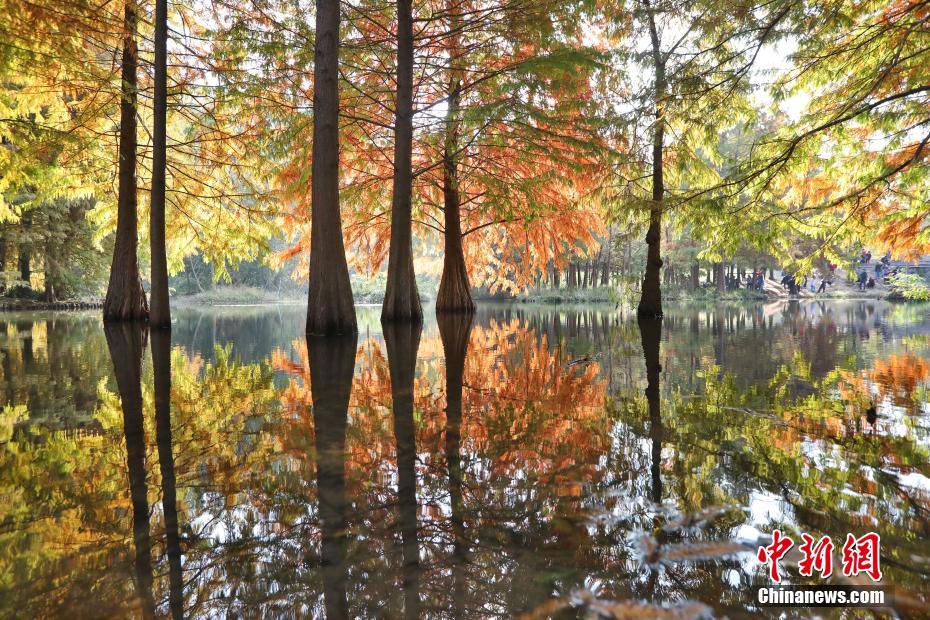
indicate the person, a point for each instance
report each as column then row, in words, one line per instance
column 760, row 281
column 863, row 278
column 823, row 286
column 871, row 283
column 879, row 267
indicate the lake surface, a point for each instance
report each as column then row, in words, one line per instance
column 537, row 460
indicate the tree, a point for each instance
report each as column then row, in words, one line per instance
column 699, row 59
column 160, row 315
column 401, row 298
column 650, row 301
column 851, row 167
column 330, row 309
column 125, row 299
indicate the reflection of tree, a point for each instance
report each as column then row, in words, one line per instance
column 454, row 331
column 161, row 365
column 651, row 332
column 475, row 474
column 331, row 364
column 126, row 343
column 402, row 341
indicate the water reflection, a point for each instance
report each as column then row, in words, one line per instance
column 402, row 341
column 332, row 361
column 161, row 365
column 454, row 332
column 527, row 458
column 126, row 342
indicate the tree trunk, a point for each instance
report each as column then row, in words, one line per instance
column 454, row 288
column 401, row 298
column 650, row 302
column 721, row 277
column 160, row 310
column 330, row 309
column 556, row 278
column 695, row 276
column 125, row 298
column 25, row 260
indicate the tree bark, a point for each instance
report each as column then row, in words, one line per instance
column 330, row 308
column 160, row 310
column 695, row 276
column 721, row 277
column 125, row 300
column 401, row 298
column 650, row 301
column 454, row 288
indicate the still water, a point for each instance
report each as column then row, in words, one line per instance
column 536, row 460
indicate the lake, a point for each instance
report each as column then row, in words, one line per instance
column 536, row 460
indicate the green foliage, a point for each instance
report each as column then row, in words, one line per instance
column 909, row 286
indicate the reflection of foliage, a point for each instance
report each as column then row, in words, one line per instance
column 543, row 487
column 66, row 509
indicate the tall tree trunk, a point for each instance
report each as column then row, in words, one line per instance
column 721, row 277
column 650, row 301
column 401, row 298
column 330, row 309
column 454, row 288
column 160, row 310
column 695, row 275
column 125, row 298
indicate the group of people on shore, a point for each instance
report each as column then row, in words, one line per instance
column 883, row 270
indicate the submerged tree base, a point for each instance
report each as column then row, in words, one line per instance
column 454, row 294
column 126, row 303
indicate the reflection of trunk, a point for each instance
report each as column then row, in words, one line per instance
column 125, row 298
column 651, row 333
column 454, row 288
column 454, row 332
column 401, row 299
column 332, row 362
column 402, row 342
column 161, row 364
column 126, row 343
column 160, row 311
column 330, row 309
column 650, row 301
